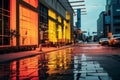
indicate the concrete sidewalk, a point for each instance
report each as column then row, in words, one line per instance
column 18, row 55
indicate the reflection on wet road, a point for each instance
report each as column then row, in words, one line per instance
column 68, row 64
column 40, row 67
column 85, row 69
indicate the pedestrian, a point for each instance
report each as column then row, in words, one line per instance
column 47, row 43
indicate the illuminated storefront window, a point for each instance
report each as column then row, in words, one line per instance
column 52, row 31
column 4, row 22
column 28, row 26
column 60, row 35
column 51, row 14
column 67, row 28
column 33, row 3
column 66, row 31
column 59, row 19
column 59, row 32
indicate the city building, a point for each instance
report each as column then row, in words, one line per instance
column 58, row 27
column 78, row 24
column 25, row 23
column 18, row 22
column 113, row 10
column 101, row 26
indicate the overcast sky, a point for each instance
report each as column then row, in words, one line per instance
column 93, row 9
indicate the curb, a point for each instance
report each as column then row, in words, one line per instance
column 6, row 60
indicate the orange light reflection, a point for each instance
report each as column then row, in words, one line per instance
column 33, row 3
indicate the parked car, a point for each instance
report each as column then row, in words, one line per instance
column 110, row 41
column 103, row 41
column 116, row 41
column 80, row 41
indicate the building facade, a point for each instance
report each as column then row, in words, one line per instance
column 59, row 21
column 17, row 25
column 4, row 22
column 78, row 24
column 113, row 10
column 28, row 22
column 101, row 26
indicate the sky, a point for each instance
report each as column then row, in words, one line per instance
column 93, row 9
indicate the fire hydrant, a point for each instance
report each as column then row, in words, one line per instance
column 40, row 47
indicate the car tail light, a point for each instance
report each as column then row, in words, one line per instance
column 115, row 40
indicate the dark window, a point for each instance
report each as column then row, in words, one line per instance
column 116, row 17
column 43, row 11
column 4, row 22
column 1, row 3
column 6, row 41
column 117, row 30
column 6, row 25
column 0, row 10
column 0, row 24
column 6, row 4
column 118, row 25
column 0, row 40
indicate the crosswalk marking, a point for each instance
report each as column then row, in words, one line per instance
column 88, row 70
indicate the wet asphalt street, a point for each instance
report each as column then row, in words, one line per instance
column 81, row 62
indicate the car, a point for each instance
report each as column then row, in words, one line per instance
column 110, row 41
column 116, row 41
column 103, row 41
column 80, row 41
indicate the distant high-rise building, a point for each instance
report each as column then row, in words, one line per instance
column 78, row 24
